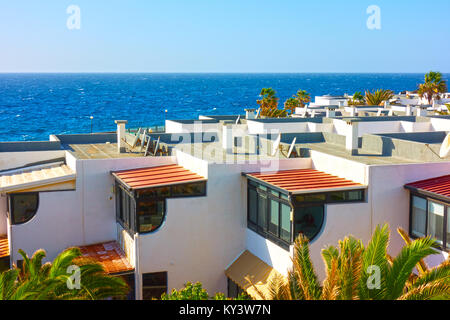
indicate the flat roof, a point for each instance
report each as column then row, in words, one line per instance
column 305, row 181
column 156, row 177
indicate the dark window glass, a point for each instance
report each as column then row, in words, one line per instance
column 311, row 198
column 262, row 211
column 448, row 228
column 233, row 289
column 189, row 189
column 4, row 264
column 126, row 209
column 418, row 217
column 285, row 224
column 436, row 221
column 308, row 221
column 357, row 195
column 119, row 215
column 274, row 220
column 154, row 285
column 252, row 206
column 23, row 207
column 162, row 192
column 150, row 215
column 337, row 196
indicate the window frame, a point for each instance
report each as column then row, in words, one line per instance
column 11, row 197
column 446, row 205
column 166, row 276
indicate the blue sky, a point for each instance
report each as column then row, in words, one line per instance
column 224, row 36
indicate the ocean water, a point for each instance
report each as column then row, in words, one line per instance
column 33, row 106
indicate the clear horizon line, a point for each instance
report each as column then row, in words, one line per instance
column 209, row 72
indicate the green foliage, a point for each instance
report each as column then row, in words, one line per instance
column 377, row 97
column 433, row 86
column 196, row 292
column 349, row 266
column 37, row 281
column 357, row 99
column 268, row 102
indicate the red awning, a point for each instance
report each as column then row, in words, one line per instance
column 438, row 187
column 305, row 181
column 157, row 176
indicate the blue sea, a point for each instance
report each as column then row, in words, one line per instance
column 33, row 106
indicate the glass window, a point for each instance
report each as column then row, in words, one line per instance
column 274, row 220
column 321, row 197
column 337, row 196
column 150, row 215
column 418, row 217
column 308, row 220
column 233, row 289
column 155, row 192
column 23, row 207
column 355, row 195
column 262, row 212
column 189, row 189
column 436, row 221
column 252, row 206
column 285, row 231
column 448, row 228
column 154, row 285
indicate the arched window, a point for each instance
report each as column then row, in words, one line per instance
column 308, row 220
column 23, row 207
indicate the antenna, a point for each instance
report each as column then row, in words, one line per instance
column 291, row 148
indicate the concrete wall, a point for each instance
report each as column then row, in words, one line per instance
column 3, row 215
column 12, row 160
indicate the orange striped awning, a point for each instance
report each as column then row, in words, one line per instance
column 305, row 181
column 109, row 255
column 4, row 246
column 438, row 187
column 157, row 176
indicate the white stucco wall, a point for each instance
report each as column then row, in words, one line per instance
column 11, row 160
column 3, row 215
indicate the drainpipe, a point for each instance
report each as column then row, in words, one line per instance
column 121, row 135
column 351, row 140
column 137, row 271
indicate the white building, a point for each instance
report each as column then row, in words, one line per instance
column 218, row 203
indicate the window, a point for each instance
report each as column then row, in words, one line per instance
column 4, row 264
column 308, row 220
column 436, row 221
column 331, row 197
column 23, row 207
column 269, row 214
column 129, row 279
column 154, row 285
column 419, row 217
column 429, row 217
column 150, row 215
column 233, row 289
column 144, row 210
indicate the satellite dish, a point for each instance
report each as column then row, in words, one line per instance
column 445, row 147
column 276, row 145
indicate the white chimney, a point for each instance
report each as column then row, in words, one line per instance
column 121, row 135
column 227, row 137
column 422, row 111
column 331, row 112
column 351, row 140
column 408, row 110
column 386, row 104
column 353, row 112
column 250, row 114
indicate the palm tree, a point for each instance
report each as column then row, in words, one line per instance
column 349, row 270
column 357, row 98
column 49, row 281
column 377, row 97
column 303, row 97
column 432, row 88
column 290, row 105
column 268, row 102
